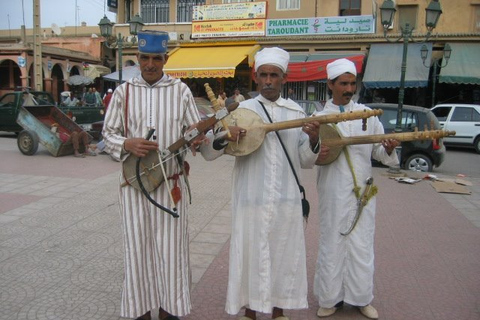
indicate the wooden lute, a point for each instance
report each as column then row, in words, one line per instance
column 331, row 138
column 257, row 129
column 151, row 172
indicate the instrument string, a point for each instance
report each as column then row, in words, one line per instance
column 160, row 163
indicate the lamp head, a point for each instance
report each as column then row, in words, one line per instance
column 387, row 12
column 105, row 27
column 136, row 25
column 424, row 53
column 447, row 52
column 433, row 12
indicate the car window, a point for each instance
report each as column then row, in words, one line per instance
column 476, row 115
column 8, row 100
column 389, row 120
column 441, row 113
column 463, row 114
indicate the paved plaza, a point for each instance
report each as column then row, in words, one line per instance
column 61, row 254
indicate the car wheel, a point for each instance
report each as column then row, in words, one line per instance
column 418, row 162
column 27, row 142
column 476, row 144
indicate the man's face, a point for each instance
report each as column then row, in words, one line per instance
column 269, row 80
column 343, row 88
column 151, row 66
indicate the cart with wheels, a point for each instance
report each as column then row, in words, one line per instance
column 37, row 121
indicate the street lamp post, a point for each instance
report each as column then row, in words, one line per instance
column 387, row 12
column 136, row 24
column 447, row 52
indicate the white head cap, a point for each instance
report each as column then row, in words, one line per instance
column 109, row 90
column 272, row 56
column 339, row 67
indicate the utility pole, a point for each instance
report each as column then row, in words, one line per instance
column 37, row 47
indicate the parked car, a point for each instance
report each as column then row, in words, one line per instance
column 415, row 155
column 464, row 119
column 310, row 106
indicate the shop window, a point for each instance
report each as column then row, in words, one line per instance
column 476, row 20
column 288, row 4
column 155, row 11
column 350, row 7
column 128, row 10
column 185, row 7
column 408, row 14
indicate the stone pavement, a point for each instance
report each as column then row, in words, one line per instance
column 61, row 246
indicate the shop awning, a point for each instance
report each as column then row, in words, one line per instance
column 384, row 65
column 313, row 66
column 463, row 66
column 208, row 62
column 95, row 70
column 127, row 73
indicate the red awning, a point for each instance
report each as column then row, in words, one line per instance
column 317, row 70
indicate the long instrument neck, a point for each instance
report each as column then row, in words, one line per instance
column 323, row 119
column 374, row 138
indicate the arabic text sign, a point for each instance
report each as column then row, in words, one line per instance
column 230, row 11
column 312, row 26
column 233, row 28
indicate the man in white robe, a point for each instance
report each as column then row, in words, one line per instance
column 157, row 270
column 267, row 269
column 345, row 265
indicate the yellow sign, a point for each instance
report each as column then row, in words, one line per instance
column 230, row 73
column 232, row 28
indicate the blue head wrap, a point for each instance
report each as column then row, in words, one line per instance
column 152, row 42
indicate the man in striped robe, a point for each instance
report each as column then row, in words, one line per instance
column 157, row 270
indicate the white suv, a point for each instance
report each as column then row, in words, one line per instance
column 464, row 119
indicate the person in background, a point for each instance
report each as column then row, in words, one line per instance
column 345, row 263
column 76, row 137
column 267, row 268
column 156, row 244
column 98, row 98
column 222, row 97
column 291, row 94
column 108, row 97
column 237, row 96
column 90, row 98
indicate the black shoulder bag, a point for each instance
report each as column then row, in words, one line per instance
column 305, row 204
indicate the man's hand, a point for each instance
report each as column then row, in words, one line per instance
column 390, row 145
column 322, row 155
column 312, row 129
column 236, row 133
column 139, row 147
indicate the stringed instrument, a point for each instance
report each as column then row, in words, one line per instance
column 151, row 174
column 331, row 138
column 257, row 129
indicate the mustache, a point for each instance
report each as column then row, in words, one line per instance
column 348, row 94
column 266, row 87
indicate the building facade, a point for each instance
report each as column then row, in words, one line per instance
column 214, row 41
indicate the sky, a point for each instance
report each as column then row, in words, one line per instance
column 60, row 12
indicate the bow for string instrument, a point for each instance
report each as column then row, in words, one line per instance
column 147, row 173
column 257, row 129
column 336, row 143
